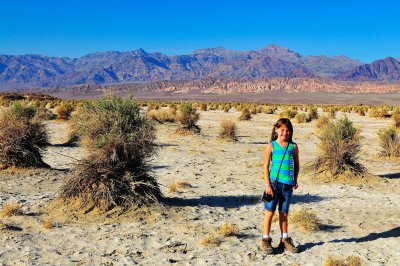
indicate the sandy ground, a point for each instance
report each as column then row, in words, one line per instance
column 357, row 219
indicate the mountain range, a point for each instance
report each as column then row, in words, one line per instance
column 18, row 71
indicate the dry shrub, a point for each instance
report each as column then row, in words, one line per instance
column 245, row 115
column 306, row 220
column 389, row 140
column 156, row 115
column 187, row 118
column 11, row 209
column 338, row 150
column 227, row 230
column 228, row 130
column 396, row 120
column 120, row 142
column 312, row 113
column 48, row 224
column 25, row 148
column 349, row 261
column 378, row 112
column 183, row 184
column 301, row 118
column 210, row 240
column 64, row 111
column 172, row 188
column 332, row 113
column 322, row 121
column 288, row 113
column 269, row 110
column 45, row 114
column 203, row 107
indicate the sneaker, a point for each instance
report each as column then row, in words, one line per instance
column 266, row 246
column 287, row 245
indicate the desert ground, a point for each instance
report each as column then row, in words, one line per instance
column 359, row 218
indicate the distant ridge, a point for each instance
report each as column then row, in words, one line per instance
column 384, row 70
column 141, row 66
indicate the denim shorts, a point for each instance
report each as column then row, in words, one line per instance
column 282, row 197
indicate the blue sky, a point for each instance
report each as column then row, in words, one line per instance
column 364, row 30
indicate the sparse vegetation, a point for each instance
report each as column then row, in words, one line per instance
column 389, row 140
column 188, row 117
column 210, row 240
column 228, row 130
column 120, row 142
column 25, row 148
column 245, row 115
column 228, row 230
column 11, row 209
column 338, row 150
column 64, row 111
column 306, row 220
column 348, row 261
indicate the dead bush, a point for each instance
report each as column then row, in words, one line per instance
column 23, row 138
column 228, row 230
column 338, row 150
column 312, row 113
column 210, row 240
column 228, row 130
column 120, row 142
column 389, row 140
column 306, row 220
column 349, row 261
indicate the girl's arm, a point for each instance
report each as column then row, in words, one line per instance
column 296, row 165
column 267, row 160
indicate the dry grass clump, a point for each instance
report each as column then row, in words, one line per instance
column 64, row 111
column 120, row 142
column 288, row 113
column 396, row 120
column 187, row 118
column 203, row 107
column 228, row 130
column 23, row 138
column 175, row 186
column 306, row 220
column 301, row 118
column 312, row 113
column 245, row 115
column 11, row 209
column 389, row 140
column 338, row 150
column 210, row 240
column 228, row 230
column 349, row 261
column 48, row 224
column 322, row 121
column 378, row 112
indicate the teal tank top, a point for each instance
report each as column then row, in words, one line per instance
column 286, row 174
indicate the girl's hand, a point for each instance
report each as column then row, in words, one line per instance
column 268, row 190
column 296, row 186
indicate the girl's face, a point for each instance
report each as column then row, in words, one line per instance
column 283, row 133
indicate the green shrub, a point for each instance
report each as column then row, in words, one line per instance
column 188, row 117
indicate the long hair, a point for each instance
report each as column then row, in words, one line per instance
column 282, row 122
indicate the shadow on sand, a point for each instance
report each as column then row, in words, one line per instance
column 391, row 176
column 229, row 201
column 395, row 232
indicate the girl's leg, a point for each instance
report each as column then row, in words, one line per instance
column 267, row 222
column 283, row 222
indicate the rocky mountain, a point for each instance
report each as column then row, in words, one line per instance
column 218, row 86
column 140, row 66
column 384, row 70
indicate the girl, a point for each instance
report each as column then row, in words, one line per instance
column 281, row 168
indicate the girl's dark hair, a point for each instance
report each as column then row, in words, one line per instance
column 282, row 122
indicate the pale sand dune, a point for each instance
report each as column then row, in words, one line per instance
column 358, row 219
